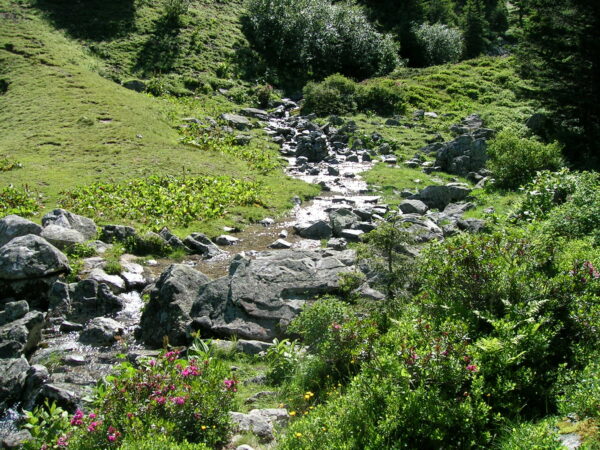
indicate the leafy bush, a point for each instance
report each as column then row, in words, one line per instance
column 7, row 164
column 334, row 95
column 582, row 392
column 417, row 391
column 315, row 38
column 568, row 201
column 185, row 400
column 440, row 43
column 539, row 436
column 46, row 423
column 340, row 95
column 515, row 160
column 16, row 201
column 163, row 200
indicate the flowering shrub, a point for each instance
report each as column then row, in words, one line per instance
column 183, row 400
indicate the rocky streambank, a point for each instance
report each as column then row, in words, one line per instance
column 60, row 334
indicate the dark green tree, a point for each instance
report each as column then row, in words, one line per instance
column 560, row 52
column 474, row 28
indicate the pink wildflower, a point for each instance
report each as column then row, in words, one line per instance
column 172, row 355
column 160, row 400
column 178, row 400
column 62, row 442
column 336, row 326
column 152, row 363
column 77, row 418
column 92, row 415
column 92, row 426
column 112, row 434
column 230, row 385
column 472, row 368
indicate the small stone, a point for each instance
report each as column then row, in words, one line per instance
column 75, row 360
column 280, row 244
column 226, row 240
column 67, row 327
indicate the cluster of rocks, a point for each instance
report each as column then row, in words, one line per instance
column 465, row 155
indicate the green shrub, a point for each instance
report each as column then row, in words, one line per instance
column 315, row 38
column 568, row 201
column 334, row 95
column 515, row 160
column 440, row 43
column 581, row 394
column 534, row 436
column 382, row 96
column 22, row 202
column 417, row 391
column 46, row 423
column 340, row 95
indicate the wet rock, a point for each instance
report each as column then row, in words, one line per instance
column 59, row 300
column 13, row 373
column 251, row 347
column 173, row 241
column 68, row 327
column 337, row 243
column 413, row 207
column 200, row 244
column 117, row 233
column 30, row 256
column 314, row 230
column 467, row 125
column 171, row 300
column 351, row 235
column 342, row 218
column 63, row 394
column 21, row 336
column 313, row 147
column 280, row 244
column 421, row 228
column 84, row 225
column 466, row 153
column 440, row 196
column 13, row 226
column 133, row 274
column 101, row 331
column 75, row 360
column 115, row 283
column 236, row 121
column 61, row 237
column 89, row 299
column 226, row 240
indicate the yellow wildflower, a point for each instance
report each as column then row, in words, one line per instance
column 292, row 413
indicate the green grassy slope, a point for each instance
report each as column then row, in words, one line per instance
column 68, row 126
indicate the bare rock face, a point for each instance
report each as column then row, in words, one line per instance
column 256, row 301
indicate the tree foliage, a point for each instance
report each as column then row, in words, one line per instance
column 560, row 52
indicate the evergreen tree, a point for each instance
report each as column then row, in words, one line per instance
column 474, row 28
column 560, row 52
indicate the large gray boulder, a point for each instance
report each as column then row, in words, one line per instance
column 263, row 294
column 413, row 207
column 13, row 311
column 14, row 226
column 22, row 335
column 61, row 237
column 30, row 256
column 84, row 225
column 259, row 422
column 171, row 301
column 13, row 373
column 101, row 331
column 466, row 153
column 440, row 196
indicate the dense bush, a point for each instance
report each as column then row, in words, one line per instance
column 514, row 160
column 569, row 201
column 340, row 95
column 315, row 38
column 22, row 202
column 581, row 394
column 440, row 43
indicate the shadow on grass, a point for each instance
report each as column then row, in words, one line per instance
column 94, row 20
column 162, row 48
